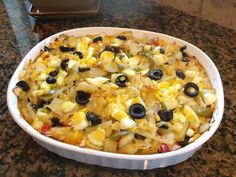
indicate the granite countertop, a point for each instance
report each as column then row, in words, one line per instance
column 20, row 156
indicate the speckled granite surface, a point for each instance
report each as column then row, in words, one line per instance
column 21, row 156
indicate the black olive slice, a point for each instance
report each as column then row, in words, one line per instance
column 83, row 69
column 46, row 49
column 184, row 142
column 137, row 111
column 56, row 122
column 51, row 80
column 162, row 51
column 54, row 73
column 64, row 64
column 66, row 49
column 165, row 115
column 108, row 48
column 96, row 39
column 79, row 54
column 180, row 74
column 94, row 119
column 121, row 37
column 23, row 85
column 138, row 136
column 82, row 97
column 38, row 105
column 155, row 74
column 185, row 59
column 183, row 48
column 191, row 89
column 121, row 80
column 165, row 126
column 116, row 50
column 184, row 54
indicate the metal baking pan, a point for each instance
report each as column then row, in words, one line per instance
column 63, row 5
column 76, row 13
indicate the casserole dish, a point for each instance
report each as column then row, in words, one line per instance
column 111, row 159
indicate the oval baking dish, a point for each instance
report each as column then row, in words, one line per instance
column 115, row 160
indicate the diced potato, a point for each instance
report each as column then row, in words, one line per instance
column 46, row 119
column 61, row 77
column 118, row 114
column 190, row 132
column 196, row 136
column 55, row 106
column 108, row 63
column 97, row 137
column 134, row 61
column 197, row 79
column 90, row 52
column 209, row 98
column 180, row 128
column 153, row 149
column 147, row 47
column 190, row 74
column 42, row 77
column 129, row 149
column 74, row 137
column 86, row 87
column 79, row 121
column 37, row 124
column 66, row 134
column 96, row 72
column 204, row 127
column 54, row 61
column 45, row 86
column 72, row 64
column 98, row 81
column 26, row 114
column 68, row 106
column 144, row 72
column 18, row 91
column 159, row 59
column 170, row 102
column 126, row 123
column 179, row 56
column 116, row 126
column 128, row 103
column 117, row 42
column 125, row 140
column 108, row 131
column 124, row 58
column 41, row 112
column 194, row 121
column 90, row 145
column 110, row 145
column 139, row 100
column 170, row 48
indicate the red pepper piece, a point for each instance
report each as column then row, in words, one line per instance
column 156, row 41
column 44, row 128
column 164, row 148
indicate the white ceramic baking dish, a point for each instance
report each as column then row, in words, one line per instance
column 114, row 160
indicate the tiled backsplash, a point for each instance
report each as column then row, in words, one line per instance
column 222, row 12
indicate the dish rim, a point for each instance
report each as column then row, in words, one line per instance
column 35, row 134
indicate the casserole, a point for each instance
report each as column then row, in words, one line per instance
column 121, row 160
